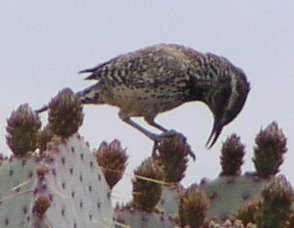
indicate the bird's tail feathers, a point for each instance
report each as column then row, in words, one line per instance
column 87, row 71
column 95, row 75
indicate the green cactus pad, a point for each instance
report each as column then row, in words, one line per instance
column 134, row 217
column 68, row 177
column 228, row 193
column 169, row 199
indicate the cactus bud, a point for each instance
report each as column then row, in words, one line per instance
column 112, row 158
column 275, row 209
column 249, row 212
column 42, row 203
column 193, row 207
column 232, row 156
column 269, row 151
column 146, row 191
column 172, row 156
column 22, row 128
column 65, row 113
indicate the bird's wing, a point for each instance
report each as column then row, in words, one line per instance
column 144, row 67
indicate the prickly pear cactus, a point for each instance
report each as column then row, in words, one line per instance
column 66, row 188
column 147, row 187
column 170, row 199
column 230, row 192
column 18, row 179
column 172, row 156
column 53, row 180
column 134, row 217
column 227, row 194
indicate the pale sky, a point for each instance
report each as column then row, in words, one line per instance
column 43, row 44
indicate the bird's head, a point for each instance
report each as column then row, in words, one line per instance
column 226, row 99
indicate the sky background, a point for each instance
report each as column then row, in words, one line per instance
column 43, row 44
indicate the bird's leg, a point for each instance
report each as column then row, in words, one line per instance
column 150, row 121
column 155, row 138
column 172, row 134
column 147, row 133
column 166, row 133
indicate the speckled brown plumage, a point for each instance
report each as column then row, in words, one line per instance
column 159, row 78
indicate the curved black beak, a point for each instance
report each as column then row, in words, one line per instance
column 216, row 130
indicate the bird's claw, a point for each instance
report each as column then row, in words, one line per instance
column 169, row 134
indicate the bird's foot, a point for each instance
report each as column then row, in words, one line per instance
column 158, row 139
column 165, row 135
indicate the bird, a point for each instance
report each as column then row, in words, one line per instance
column 161, row 77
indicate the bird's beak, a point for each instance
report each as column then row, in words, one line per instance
column 216, row 130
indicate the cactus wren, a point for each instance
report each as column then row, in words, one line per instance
column 159, row 78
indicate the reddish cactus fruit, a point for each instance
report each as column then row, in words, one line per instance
column 269, row 150
column 275, row 209
column 65, row 113
column 248, row 213
column 232, row 156
column 173, row 157
column 42, row 203
column 22, row 128
column 112, row 159
column 146, row 189
column 193, row 207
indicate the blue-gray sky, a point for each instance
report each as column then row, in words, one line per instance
column 43, row 44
